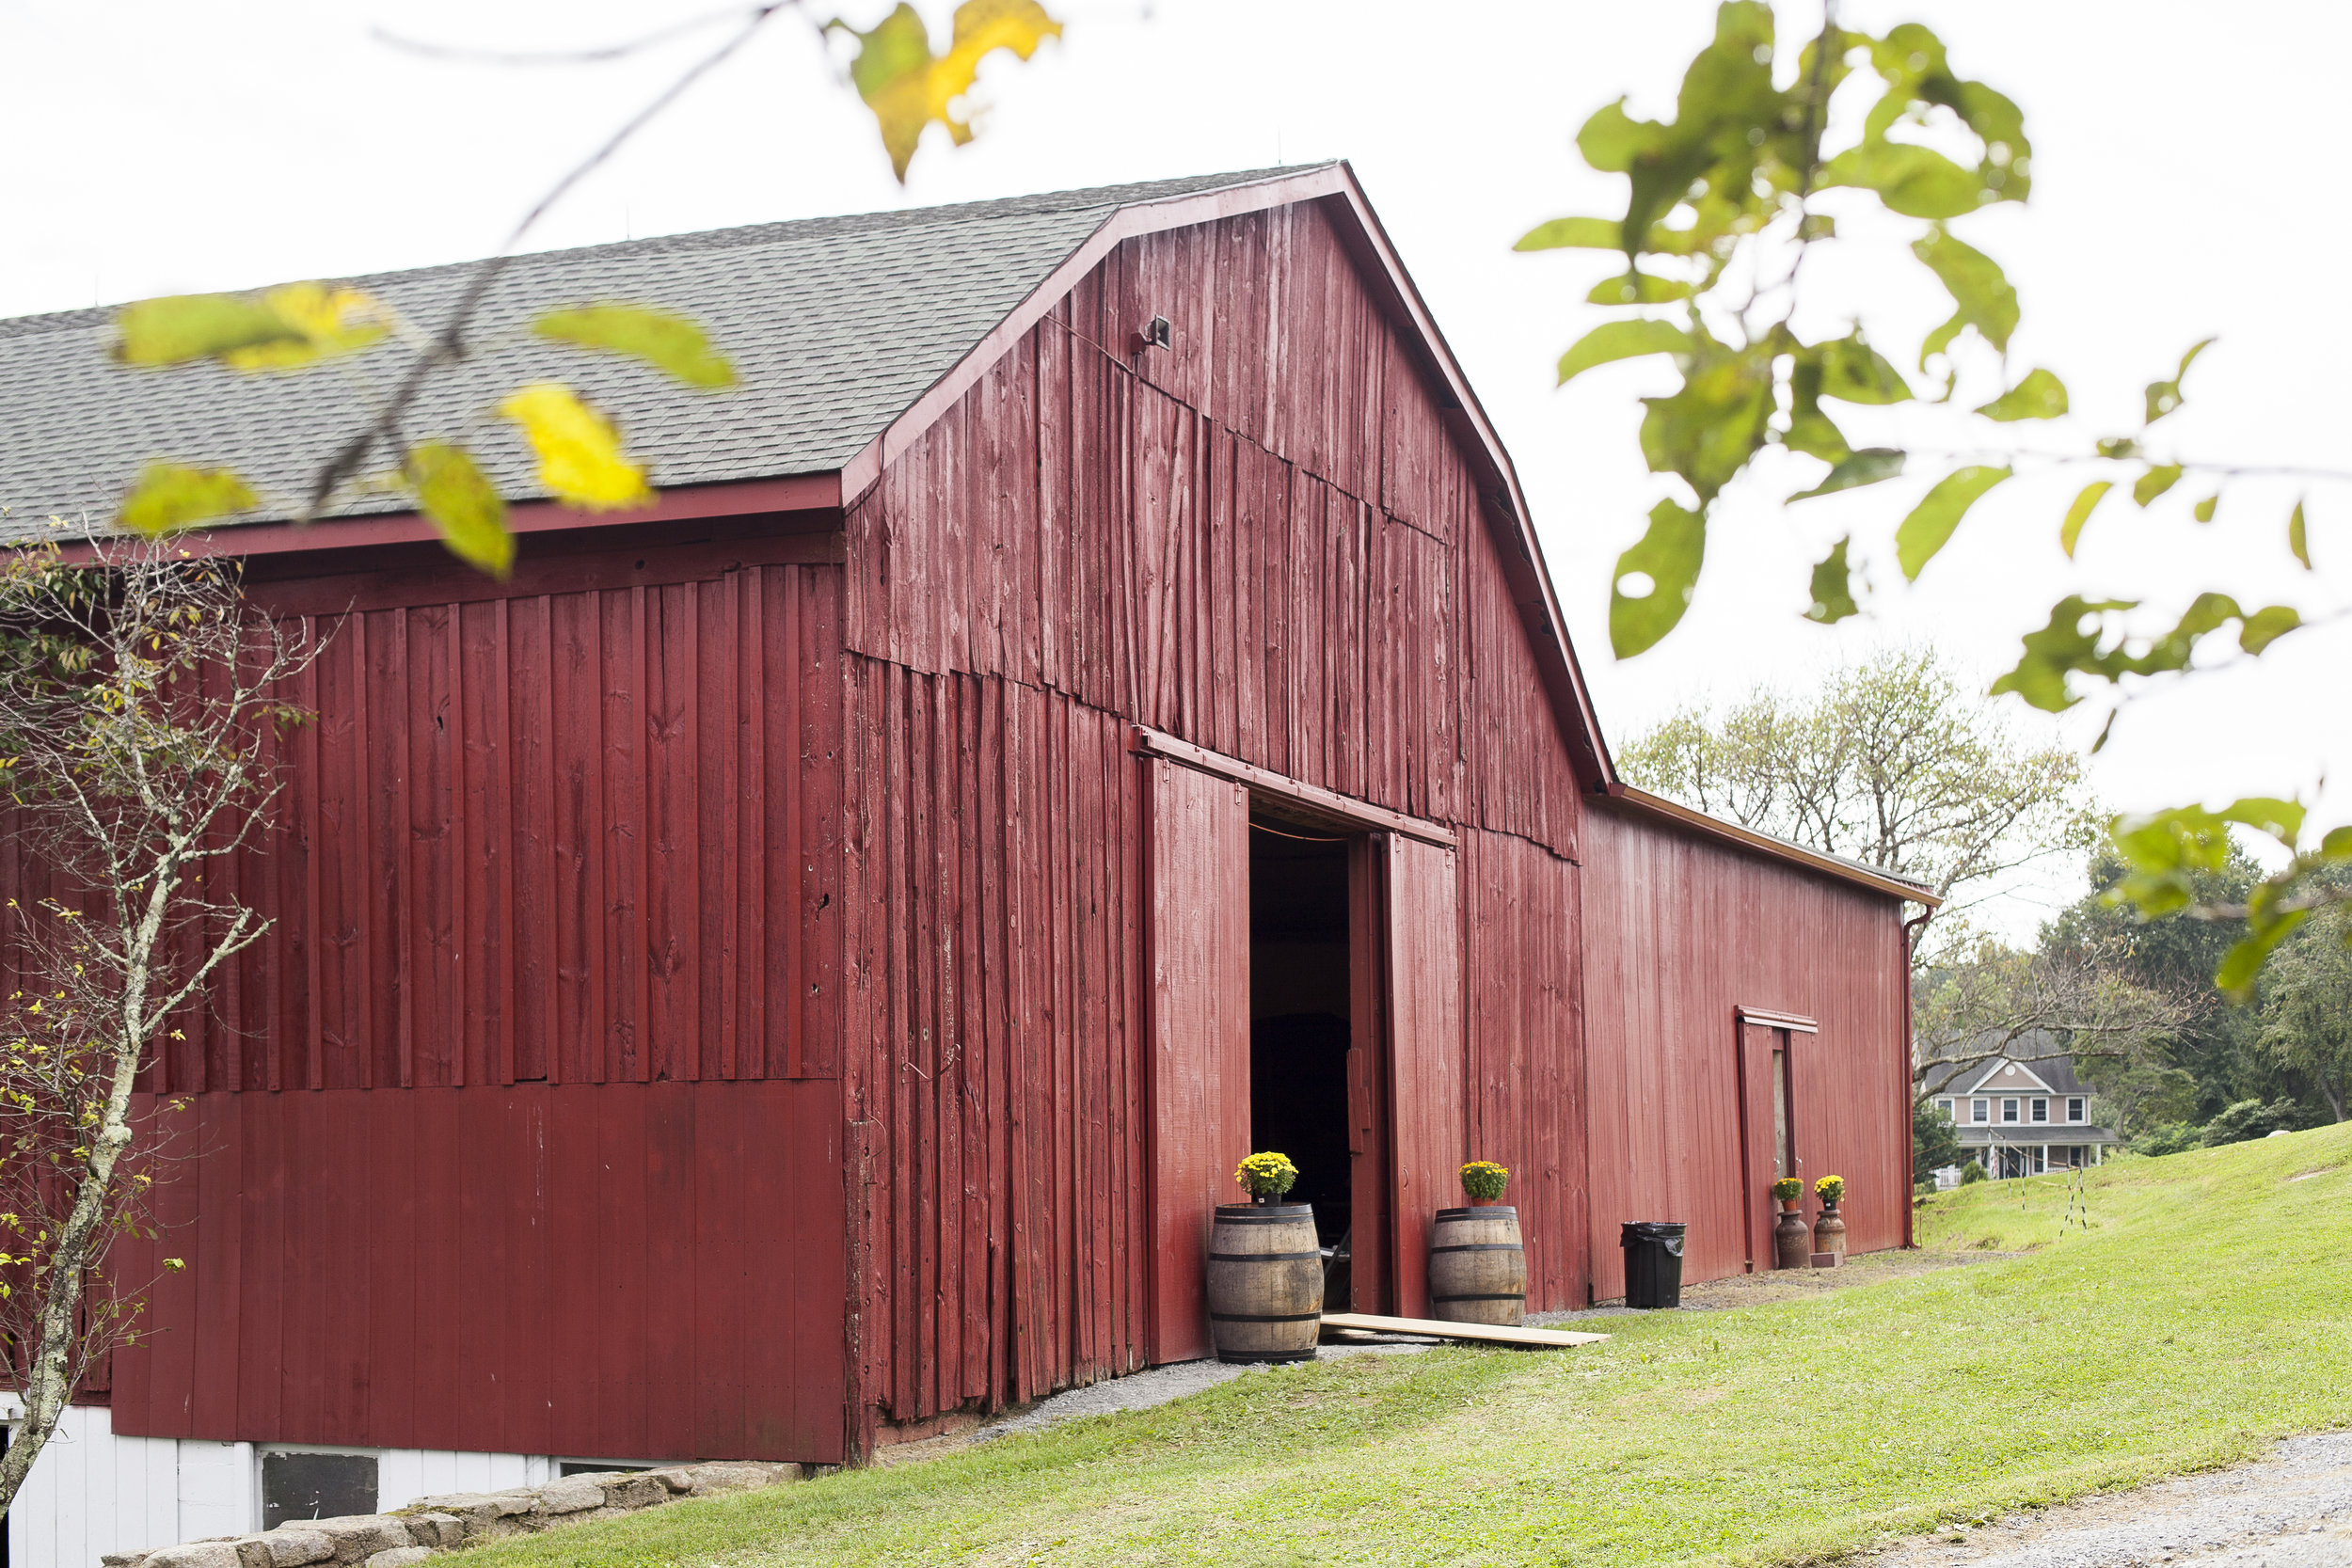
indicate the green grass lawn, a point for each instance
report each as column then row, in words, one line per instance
column 2207, row 1310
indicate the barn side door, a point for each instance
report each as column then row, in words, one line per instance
column 1768, row 1119
column 1427, row 1051
column 1199, row 952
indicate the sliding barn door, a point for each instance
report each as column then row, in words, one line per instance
column 1200, row 1016
column 1426, row 1052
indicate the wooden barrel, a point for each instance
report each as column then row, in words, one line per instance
column 1477, row 1268
column 1266, row 1282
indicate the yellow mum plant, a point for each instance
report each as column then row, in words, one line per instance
column 1267, row 1175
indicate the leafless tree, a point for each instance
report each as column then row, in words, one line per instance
column 138, row 693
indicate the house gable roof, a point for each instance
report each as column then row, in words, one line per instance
column 2006, row 1077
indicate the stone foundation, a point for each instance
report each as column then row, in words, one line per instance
column 432, row 1525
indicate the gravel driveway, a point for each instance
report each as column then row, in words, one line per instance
column 2293, row 1510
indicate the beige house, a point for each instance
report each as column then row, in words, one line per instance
column 2021, row 1119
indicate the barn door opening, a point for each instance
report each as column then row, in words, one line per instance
column 1300, row 1030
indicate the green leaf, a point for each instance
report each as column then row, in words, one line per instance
column 453, row 490
column 2267, row 625
column 666, row 341
column 1639, row 288
column 2120, row 448
column 2165, row 396
column 1833, row 587
column 327, row 323
column 1669, row 554
column 2205, row 507
column 1867, row 467
column 1980, row 292
column 196, row 326
column 2337, row 844
column 2040, row 396
column 1930, row 524
column 2079, row 513
column 2298, row 539
column 1914, row 181
column 2070, row 641
column 2235, row 977
column 1574, row 233
column 1621, row 340
column 1854, row 371
column 2154, row 483
column 1810, row 431
column 1611, row 139
column 169, row 497
column 1707, row 431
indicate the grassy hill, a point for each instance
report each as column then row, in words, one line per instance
column 2207, row 1310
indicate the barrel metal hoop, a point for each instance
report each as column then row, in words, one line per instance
column 1481, row 1247
column 1265, row 1317
column 1507, row 1296
column 1262, row 1257
column 1263, row 1219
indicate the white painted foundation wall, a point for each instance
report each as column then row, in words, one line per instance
column 92, row 1493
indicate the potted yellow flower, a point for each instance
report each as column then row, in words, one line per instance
column 1829, row 1231
column 1477, row 1263
column 1264, row 1268
column 1792, row 1238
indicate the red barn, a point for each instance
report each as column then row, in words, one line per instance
column 797, row 965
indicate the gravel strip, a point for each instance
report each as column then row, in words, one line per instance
column 2292, row 1510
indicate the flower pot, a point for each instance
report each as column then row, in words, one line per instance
column 1792, row 1238
column 1829, row 1231
column 1477, row 1266
column 1266, row 1282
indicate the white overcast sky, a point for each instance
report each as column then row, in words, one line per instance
column 2186, row 184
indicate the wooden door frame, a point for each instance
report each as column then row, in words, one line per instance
column 1370, row 1050
column 1755, row 1147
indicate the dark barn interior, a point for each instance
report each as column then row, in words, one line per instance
column 1299, row 1013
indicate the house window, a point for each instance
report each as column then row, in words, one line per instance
column 1944, row 1106
column 2040, row 1160
column 2040, row 1109
column 2074, row 1108
column 1980, row 1110
column 2008, row 1110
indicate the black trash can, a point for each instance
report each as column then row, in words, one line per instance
column 1653, row 1262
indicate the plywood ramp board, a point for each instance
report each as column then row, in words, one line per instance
column 1484, row 1334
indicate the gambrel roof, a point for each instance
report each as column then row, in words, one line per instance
column 836, row 325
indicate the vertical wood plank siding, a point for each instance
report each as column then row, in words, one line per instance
column 620, row 1271
column 1263, row 541
column 1677, row 932
column 557, row 883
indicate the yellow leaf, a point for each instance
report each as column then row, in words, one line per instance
column 580, row 450
column 908, row 88
column 453, row 490
column 329, row 321
column 171, row 495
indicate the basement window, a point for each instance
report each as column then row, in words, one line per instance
column 316, row 1486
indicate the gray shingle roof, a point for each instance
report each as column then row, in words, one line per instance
column 835, row 325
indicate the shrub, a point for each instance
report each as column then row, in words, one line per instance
column 1484, row 1180
column 1971, row 1173
column 1266, row 1175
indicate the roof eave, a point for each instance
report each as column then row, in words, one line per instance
column 1699, row 822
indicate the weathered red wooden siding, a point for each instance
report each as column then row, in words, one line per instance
column 613, row 1271
column 1524, row 984
column 1427, row 1051
column 1197, row 945
column 1264, row 542
column 1679, row 931
column 993, row 1078
column 549, row 845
